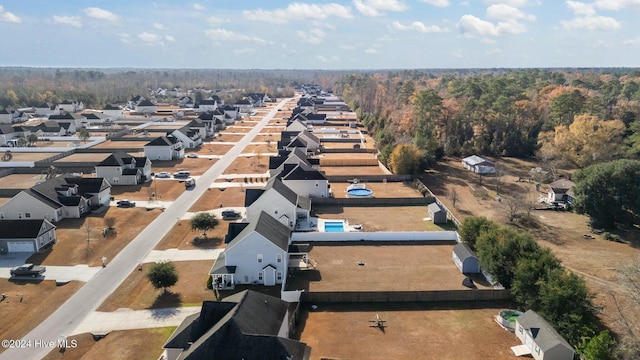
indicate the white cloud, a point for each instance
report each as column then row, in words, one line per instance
column 199, row 7
column 488, row 41
column 581, row 9
column 617, row 4
column 9, row 16
column 74, row 21
column 299, row 11
column 373, row 8
column 470, row 25
column 244, row 51
column 125, row 38
column 514, row 3
column 313, row 36
column 371, row 51
column 507, row 12
column 437, row 3
column 226, row 35
column 347, row 47
column 148, row 37
column 216, row 21
column 632, row 42
column 592, row 23
column 158, row 26
column 417, row 26
column 169, row 38
column 102, row 14
column 493, row 51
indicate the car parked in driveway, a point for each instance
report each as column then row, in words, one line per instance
column 163, row 174
column 125, row 204
column 28, row 270
column 231, row 215
column 192, row 155
column 181, row 174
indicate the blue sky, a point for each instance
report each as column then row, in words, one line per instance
column 357, row 34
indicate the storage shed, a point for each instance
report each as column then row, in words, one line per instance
column 465, row 259
column 540, row 340
column 437, row 214
column 478, row 165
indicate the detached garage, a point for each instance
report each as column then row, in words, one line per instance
column 26, row 236
column 466, row 261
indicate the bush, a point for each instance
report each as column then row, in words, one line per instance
column 210, row 282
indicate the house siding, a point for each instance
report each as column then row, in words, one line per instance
column 23, row 203
column 275, row 205
column 308, row 188
column 244, row 255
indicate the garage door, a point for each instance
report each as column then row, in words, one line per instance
column 20, row 246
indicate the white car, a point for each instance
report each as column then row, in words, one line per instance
column 192, row 155
column 163, row 174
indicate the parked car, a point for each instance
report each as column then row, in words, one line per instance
column 192, row 155
column 181, row 174
column 163, row 174
column 28, row 270
column 231, row 215
column 125, row 204
column 189, row 183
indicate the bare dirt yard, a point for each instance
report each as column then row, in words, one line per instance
column 260, row 149
column 380, row 190
column 23, row 156
column 598, row 260
column 258, row 164
column 215, row 149
column 166, row 190
column 229, row 137
column 143, row 344
column 352, row 170
column 181, row 237
column 73, row 248
column 137, row 293
column 20, row 181
column 28, row 303
column 213, row 198
column 423, row 268
column 196, row 166
column 412, row 331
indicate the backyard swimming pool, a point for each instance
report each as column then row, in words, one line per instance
column 334, row 226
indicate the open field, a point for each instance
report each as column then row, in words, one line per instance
column 39, row 300
column 380, row 190
column 215, row 149
column 143, row 344
column 274, row 130
column 227, row 137
column 413, row 331
column 213, row 198
column 181, row 237
column 261, row 149
column 387, row 218
column 83, row 157
column 73, row 248
column 239, row 128
column 599, row 261
column 423, row 268
column 137, row 293
column 249, row 165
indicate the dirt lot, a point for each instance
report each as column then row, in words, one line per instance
column 181, row 237
column 275, row 130
column 83, row 157
column 18, row 156
column 39, row 300
column 167, row 190
column 423, row 267
column 143, row 344
column 258, row 165
column 598, row 260
column 137, row 293
column 211, row 199
column 73, row 248
column 380, row 190
column 20, row 181
column 241, row 127
column 388, row 218
column 215, row 149
column 412, row 331
column 196, row 166
column 351, row 170
column 116, row 145
column 260, row 149
column 228, row 137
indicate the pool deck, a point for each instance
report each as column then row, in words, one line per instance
column 345, row 223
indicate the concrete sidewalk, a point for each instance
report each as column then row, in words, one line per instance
column 182, row 255
column 99, row 322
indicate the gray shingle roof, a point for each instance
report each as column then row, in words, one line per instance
column 270, row 228
column 544, row 335
column 463, row 251
column 23, row 229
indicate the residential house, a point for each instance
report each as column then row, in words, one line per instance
column 6, row 116
column 259, row 99
column 164, row 148
column 465, row 259
column 68, row 118
column 71, row 106
column 46, row 109
column 26, row 236
column 190, row 139
column 200, row 127
column 186, row 102
column 123, row 169
column 146, row 107
column 560, row 191
column 231, row 114
column 9, row 136
column 217, row 99
column 113, row 111
column 540, row 339
column 246, row 325
column 96, row 118
column 212, row 123
column 131, row 104
column 305, row 181
column 279, row 201
column 296, row 125
column 57, row 198
column 311, row 118
column 296, row 156
column 206, row 105
column 245, row 106
column 48, row 129
column 478, row 165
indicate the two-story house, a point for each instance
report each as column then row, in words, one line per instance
column 26, row 236
column 279, row 201
column 123, row 169
column 164, row 148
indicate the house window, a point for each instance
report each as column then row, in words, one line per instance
column 260, row 276
column 259, row 258
column 279, row 258
column 279, row 276
column 537, row 349
column 520, row 329
column 27, row 215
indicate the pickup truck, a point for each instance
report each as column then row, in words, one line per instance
column 28, row 270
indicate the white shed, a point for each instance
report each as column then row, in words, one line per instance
column 478, row 165
column 465, row 259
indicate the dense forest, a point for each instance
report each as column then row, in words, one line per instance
column 577, row 117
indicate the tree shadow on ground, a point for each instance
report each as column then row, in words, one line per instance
column 166, row 299
column 208, row 242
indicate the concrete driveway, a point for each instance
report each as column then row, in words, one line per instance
column 99, row 322
column 182, row 255
column 59, row 273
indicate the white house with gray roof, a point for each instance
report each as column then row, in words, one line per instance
column 279, row 201
column 256, row 254
column 540, row 339
column 164, row 148
column 26, row 236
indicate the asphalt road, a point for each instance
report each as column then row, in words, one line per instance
column 68, row 316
